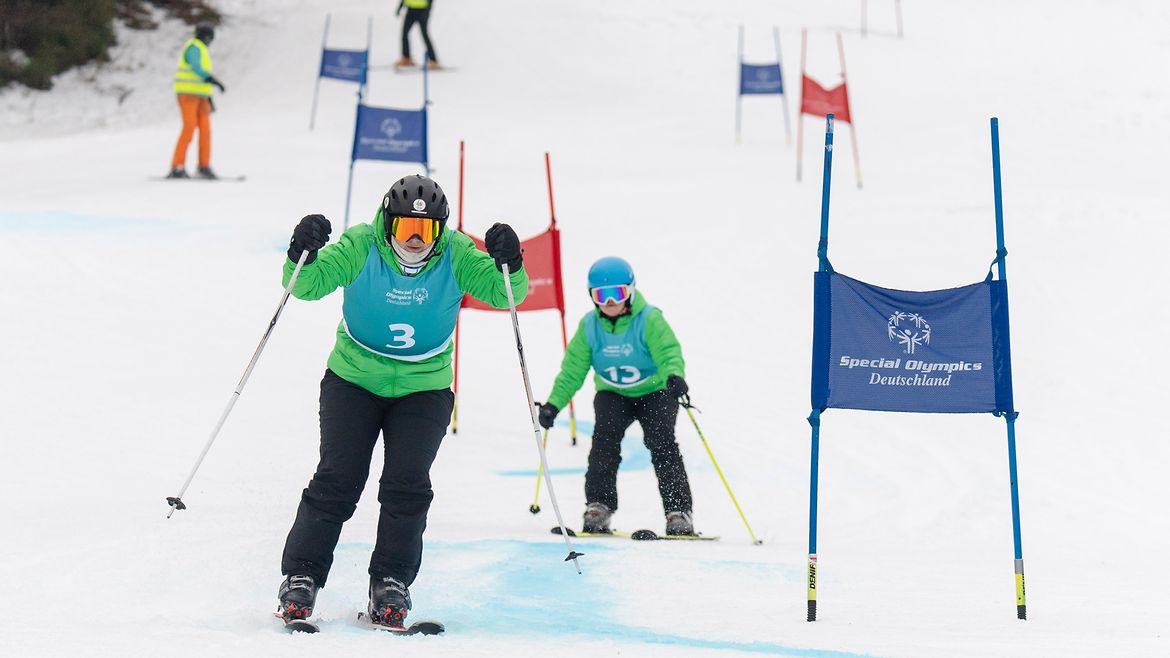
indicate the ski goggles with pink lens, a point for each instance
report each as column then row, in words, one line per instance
column 617, row 294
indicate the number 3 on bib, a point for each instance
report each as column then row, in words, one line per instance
column 403, row 337
column 629, row 375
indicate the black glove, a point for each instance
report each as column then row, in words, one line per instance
column 503, row 245
column 212, row 81
column 548, row 414
column 676, row 386
column 310, row 235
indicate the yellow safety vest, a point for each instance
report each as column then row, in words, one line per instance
column 417, row 4
column 187, row 81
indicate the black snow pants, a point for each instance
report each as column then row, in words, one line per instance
column 420, row 16
column 613, row 415
column 412, row 427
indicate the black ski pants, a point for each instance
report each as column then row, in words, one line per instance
column 420, row 16
column 412, row 427
column 613, row 415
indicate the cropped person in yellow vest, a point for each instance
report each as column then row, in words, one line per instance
column 417, row 11
column 193, row 83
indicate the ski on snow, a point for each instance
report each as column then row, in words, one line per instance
column 300, row 626
column 417, row 628
column 637, row 535
column 217, row 179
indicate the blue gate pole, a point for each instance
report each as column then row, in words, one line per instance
column 348, row 192
column 783, row 89
column 739, row 89
column 814, row 419
column 1021, row 603
column 1009, row 416
column 823, row 245
column 426, row 102
column 1000, row 251
column 320, row 65
column 357, row 126
column 426, row 145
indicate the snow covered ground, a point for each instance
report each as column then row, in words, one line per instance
column 131, row 307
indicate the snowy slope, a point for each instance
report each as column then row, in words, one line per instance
column 132, row 306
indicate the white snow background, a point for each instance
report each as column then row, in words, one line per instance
column 130, row 307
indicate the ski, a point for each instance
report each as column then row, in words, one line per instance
column 301, row 626
column 417, row 628
column 418, row 69
column 298, row 625
column 556, row 530
column 219, row 179
column 638, row 535
column 650, row 535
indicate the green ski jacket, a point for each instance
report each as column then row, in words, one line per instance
column 339, row 264
column 664, row 349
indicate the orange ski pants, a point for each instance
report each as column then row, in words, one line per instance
column 196, row 114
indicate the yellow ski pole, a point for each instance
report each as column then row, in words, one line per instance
column 535, row 508
column 685, row 401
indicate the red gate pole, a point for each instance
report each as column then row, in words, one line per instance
column 560, row 285
column 800, row 112
column 852, row 119
column 455, row 386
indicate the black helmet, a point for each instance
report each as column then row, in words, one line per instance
column 416, row 196
column 205, row 32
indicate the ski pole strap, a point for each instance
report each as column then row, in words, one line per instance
column 685, row 402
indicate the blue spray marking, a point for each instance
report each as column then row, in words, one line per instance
column 522, row 589
column 635, row 456
column 51, row 221
column 56, row 222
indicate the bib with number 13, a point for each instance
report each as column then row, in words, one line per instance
column 621, row 360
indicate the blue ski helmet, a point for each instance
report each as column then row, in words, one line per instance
column 611, row 271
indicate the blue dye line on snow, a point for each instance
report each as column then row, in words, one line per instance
column 57, row 221
column 52, row 222
column 635, row 456
column 526, row 591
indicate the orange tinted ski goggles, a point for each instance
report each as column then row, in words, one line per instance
column 405, row 228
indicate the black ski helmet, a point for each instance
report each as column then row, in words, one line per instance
column 416, row 196
column 204, row 32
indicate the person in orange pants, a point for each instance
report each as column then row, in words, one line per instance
column 193, row 86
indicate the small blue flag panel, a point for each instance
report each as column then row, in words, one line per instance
column 344, row 64
column 387, row 134
column 760, row 79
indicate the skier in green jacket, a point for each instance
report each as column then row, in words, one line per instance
column 404, row 276
column 638, row 372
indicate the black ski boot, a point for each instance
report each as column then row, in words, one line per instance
column 178, row 172
column 389, row 602
column 596, row 519
column 297, row 596
column 206, row 172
